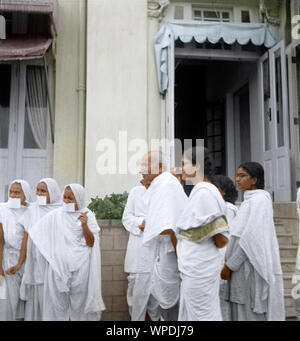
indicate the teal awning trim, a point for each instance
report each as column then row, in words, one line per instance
column 186, row 31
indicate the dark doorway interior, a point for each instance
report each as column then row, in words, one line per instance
column 196, row 115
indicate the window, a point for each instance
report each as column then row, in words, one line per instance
column 5, row 76
column 30, row 24
column 245, row 16
column 179, row 12
column 212, row 15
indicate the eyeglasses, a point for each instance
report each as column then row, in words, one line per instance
column 241, row 175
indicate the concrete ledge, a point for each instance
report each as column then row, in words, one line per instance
column 113, row 242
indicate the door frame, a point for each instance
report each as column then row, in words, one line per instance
column 294, row 115
column 15, row 152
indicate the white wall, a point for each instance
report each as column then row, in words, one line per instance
column 116, row 84
column 69, row 93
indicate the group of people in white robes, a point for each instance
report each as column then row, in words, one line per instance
column 200, row 258
column 50, row 262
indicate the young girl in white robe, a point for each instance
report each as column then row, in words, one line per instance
column 31, row 291
column 68, row 239
column 13, row 249
column 252, row 269
column 203, row 231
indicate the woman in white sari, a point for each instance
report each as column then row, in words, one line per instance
column 68, row 239
column 203, row 230
column 13, row 241
column 48, row 199
column 252, row 268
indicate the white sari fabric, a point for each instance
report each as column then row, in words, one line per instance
column 133, row 216
column 72, row 281
column 31, row 290
column 165, row 200
column 255, row 231
column 231, row 213
column 12, row 308
column 200, row 263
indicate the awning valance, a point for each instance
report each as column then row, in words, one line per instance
column 49, row 7
column 23, row 48
column 258, row 34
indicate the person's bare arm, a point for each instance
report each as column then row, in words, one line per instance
column 88, row 235
column 220, row 240
column 22, row 257
column 172, row 236
column 1, row 249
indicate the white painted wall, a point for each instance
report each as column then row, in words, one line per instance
column 69, row 89
column 116, row 84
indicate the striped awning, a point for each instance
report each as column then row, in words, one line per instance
column 186, row 31
column 23, row 48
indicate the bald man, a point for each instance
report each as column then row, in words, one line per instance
column 157, row 289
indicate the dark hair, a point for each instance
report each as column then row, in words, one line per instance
column 196, row 154
column 227, row 186
column 255, row 170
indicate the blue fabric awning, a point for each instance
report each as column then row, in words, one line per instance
column 186, row 31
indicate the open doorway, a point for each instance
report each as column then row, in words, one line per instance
column 203, row 90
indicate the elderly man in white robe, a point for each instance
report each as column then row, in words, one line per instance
column 49, row 198
column 13, row 240
column 68, row 239
column 252, row 269
column 165, row 200
column 134, row 222
column 203, row 231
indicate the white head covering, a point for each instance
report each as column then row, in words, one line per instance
column 79, row 193
column 25, row 187
column 53, row 189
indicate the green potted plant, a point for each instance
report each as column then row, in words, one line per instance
column 111, row 207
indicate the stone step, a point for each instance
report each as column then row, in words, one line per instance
column 288, row 228
column 288, row 265
column 290, row 312
column 288, row 251
column 289, row 302
column 287, row 282
column 285, row 239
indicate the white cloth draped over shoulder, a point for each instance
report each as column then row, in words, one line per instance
column 232, row 211
column 13, row 308
column 200, row 212
column 31, row 289
column 254, row 226
column 165, row 199
column 73, row 278
column 200, row 263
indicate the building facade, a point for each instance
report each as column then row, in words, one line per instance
column 75, row 73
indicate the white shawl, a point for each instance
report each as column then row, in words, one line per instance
column 34, row 266
column 205, row 204
column 165, row 199
column 255, row 227
column 59, row 238
column 13, row 232
column 26, row 189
